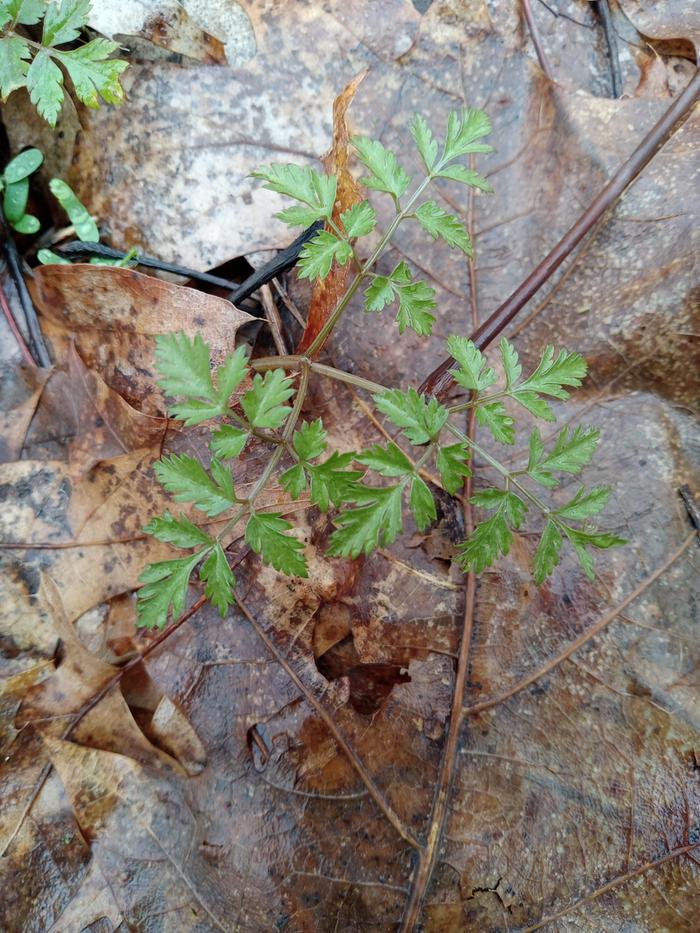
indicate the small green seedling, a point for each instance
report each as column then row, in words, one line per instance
column 14, row 183
column 35, row 65
column 368, row 491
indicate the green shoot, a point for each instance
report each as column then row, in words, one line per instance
column 372, row 494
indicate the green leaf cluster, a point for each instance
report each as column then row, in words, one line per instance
column 316, row 192
column 416, row 299
column 330, row 482
column 370, row 489
column 571, row 451
column 93, row 73
column 164, row 589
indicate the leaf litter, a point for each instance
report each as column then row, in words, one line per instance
column 202, row 786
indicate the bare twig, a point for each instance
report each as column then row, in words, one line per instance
column 272, row 316
column 448, row 765
column 536, row 39
column 440, row 381
column 14, row 327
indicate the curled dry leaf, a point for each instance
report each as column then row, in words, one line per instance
column 327, row 292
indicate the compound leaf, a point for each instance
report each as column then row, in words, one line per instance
column 585, row 504
column 264, row 404
column 425, row 141
column 467, row 176
column 498, row 421
column 386, row 173
column 463, row 130
column 184, row 366
column 388, row 461
column 332, row 481
column 218, row 579
column 376, row 522
column 472, row 372
column 379, row 293
column 492, row 538
column 63, row 21
column 309, row 441
column 421, row 419
column 180, row 532
column 452, row 466
column 316, row 258
column 228, row 442
column 265, row 533
column 45, row 86
column 14, row 64
column 26, row 12
column 93, row 74
column 439, row 223
column 359, row 220
column 547, row 555
column 304, row 184
column 187, row 480
column 421, row 503
column 164, row 589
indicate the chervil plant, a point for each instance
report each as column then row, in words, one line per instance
column 367, row 491
column 35, row 65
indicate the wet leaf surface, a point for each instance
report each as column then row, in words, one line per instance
column 251, row 773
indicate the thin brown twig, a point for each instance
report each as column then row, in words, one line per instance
column 621, row 879
column 428, row 856
column 536, row 39
column 14, row 328
column 273, row 318
column 330, row 723
column 440, row 380
column 585, row 637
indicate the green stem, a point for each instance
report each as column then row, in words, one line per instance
column 277, row 455
column 500, row 469
column 481, row 400
column 296, row 362
column 362, row 274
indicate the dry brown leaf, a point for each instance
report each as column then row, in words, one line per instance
column 664, row 19
column 195, row 202
column 329, row 291
column 113, row 315
column 20, row 391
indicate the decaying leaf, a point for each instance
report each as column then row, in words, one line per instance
column 196, row 202
column 327, row 292
column 114, row 315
